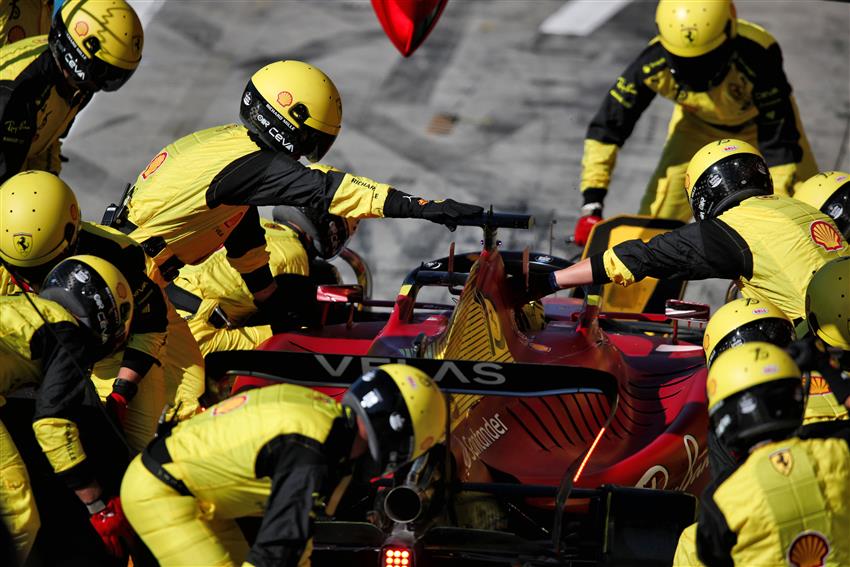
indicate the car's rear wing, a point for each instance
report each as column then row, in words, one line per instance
column 454, row 376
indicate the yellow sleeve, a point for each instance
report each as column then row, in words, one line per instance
column 783, row 177
column 359, row 197
column 252, row 260
column 686, row 550
column 7, row 286
column 616, row 269
column 60, row 441
column 597, row 163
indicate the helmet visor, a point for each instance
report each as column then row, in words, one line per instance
column 772, row 330
column 87, row 73
column 729, row 181
column 701, row 73
column 838, row 208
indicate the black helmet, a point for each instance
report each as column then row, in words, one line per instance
column 96, row 294
column 323, row 234
column 724, row 173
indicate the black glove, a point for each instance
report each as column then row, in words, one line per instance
column 445, row 212
column 539, row 285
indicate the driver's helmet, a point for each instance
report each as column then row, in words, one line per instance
column 96, row 43
column 829, row 191
column 828, row 303
column 323, row 234
column 755, row 394
column 403, row 411
column 698, row 37
column 292, row 107
column 724, row 173
column 97, row 294
column 745, row 320
column 39, row 223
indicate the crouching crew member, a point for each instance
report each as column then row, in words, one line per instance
column 787, row 501
column 40, row 224
column 273, row 452
column 219, row 307
column 50, row 342
column 771, row 244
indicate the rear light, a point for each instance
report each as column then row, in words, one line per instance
column 397, row 557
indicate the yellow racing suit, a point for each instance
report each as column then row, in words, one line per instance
column 146, row 343
column 37, row 107
column 202, row 192
column 787, row 504
column 273, row 452
column 753, row 103
column 20, row 19
column 771, row 244
column 216, row 284
column 41, row 346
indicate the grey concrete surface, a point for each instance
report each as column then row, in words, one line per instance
column 522, row 102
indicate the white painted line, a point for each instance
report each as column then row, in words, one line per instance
column 677, row 348
column 581, row 17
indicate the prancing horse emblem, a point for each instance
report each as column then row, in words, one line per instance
column 23, row 243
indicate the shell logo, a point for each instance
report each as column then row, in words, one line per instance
column 818, row 386
column 121, row 290
column 229, row 405
column 284, row 98
column 74, row 212
column 154, row 164
column 826, row 236
column 809, row 549
column 81, row 28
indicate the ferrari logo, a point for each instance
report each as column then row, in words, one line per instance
column 690, row 34
column 782, row 461
column 23, row 243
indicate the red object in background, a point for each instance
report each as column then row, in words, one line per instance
column 408, row 22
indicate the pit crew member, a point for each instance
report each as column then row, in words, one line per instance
column 829, row 191
column 726, row 79
column 787, row 499
column 49, row 342
column 46, row 80
column 39, row 226
column 202, row 191
column 219, row 307
column 771, row 244
column 20, row 19
column 273, row 452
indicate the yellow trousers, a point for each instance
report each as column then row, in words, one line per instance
column 182, row 531
column 17, row 503
column 183, row 366
column 665, row 195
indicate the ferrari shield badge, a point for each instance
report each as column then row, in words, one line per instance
column 23, row 243
column 782, row 461
column 408, row 22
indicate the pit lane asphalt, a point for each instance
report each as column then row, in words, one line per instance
column 488, row 110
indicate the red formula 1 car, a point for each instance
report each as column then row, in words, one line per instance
column 576, row 435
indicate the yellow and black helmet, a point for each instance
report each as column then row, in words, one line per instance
column 724, row 173
column 755, row 393
column 829, row 191
column 745, row 320
column 697, row 35
column 97, row 295
column 322, row 234
column 39, row 223
column 403, row 410
column 828, row 303
column 97, row 43
column 293, row 107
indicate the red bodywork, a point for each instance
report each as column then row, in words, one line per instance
column 408, row 22
column 656, row 439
